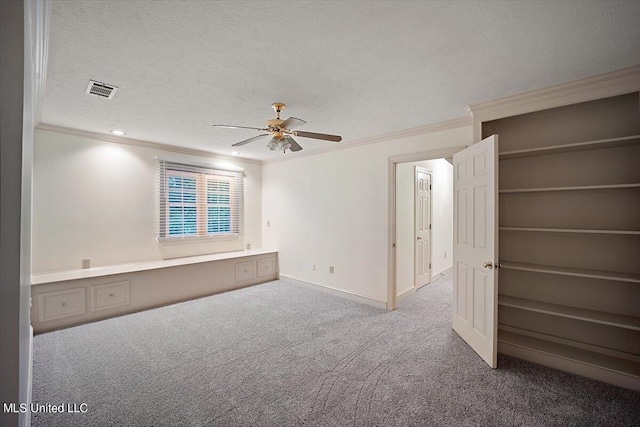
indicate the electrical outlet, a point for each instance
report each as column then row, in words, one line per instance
column 86, row 263
column 249, row 247
column 268, row 223
column 445, row 255
column 313, row 266
column 331, row 269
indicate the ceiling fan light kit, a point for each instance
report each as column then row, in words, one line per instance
column 281, row 132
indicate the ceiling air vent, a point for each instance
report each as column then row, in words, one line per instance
column 102, row 90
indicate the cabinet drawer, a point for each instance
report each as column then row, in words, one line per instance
column 59, row 304
column 245, row 271
column 110, row 295
column 266, row 267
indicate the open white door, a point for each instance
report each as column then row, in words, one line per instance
column 475, row 247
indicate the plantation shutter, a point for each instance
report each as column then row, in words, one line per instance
column 199, row 201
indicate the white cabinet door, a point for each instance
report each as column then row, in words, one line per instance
column 475, row 247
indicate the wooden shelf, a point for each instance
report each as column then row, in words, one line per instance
column 571, row 353
column 611, row 319
column 565, row 148
column 571, row 343
column 571, row 230
column 576, row 272
column 575, row 188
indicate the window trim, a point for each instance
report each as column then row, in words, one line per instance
column 204, row 173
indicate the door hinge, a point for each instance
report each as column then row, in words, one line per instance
column 429, row 186
column 394, row 245
column 429, row 266
column 429, row 226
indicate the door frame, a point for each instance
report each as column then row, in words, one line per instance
column 391, row 225
column 417, row 169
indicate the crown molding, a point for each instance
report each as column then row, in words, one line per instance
column 421, row 130
column 604, row 85
column 38, row 14
column 145, row 144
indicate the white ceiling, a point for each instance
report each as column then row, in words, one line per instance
column 357, row 69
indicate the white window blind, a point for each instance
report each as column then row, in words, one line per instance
column 199, row 201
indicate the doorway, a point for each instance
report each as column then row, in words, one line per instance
column 405, row 256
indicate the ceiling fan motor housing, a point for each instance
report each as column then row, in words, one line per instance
column 274, row 123
column 281, row 131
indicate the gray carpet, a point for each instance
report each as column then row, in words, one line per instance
column 283, row 355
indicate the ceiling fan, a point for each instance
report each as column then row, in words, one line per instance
column 281, row 132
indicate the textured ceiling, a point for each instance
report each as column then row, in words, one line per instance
column 357, row 69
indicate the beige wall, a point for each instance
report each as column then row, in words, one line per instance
column 441, row 220
column 332, row 209
column 98, row 200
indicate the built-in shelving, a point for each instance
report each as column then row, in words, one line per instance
column 555, row 349
column 579, row 146
column 593, row 316
column 571, row 343
column 569, row 189
column 570, row 230
column 575, row 272
column 574, row 188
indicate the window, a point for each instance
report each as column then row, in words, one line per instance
column 199, row 201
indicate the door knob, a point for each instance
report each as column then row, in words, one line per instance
column 419, row 238
column 487, row 264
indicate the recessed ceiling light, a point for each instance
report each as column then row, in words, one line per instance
column 235, row 153
column 118, row 132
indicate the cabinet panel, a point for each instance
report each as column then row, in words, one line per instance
column 266, row 267
column 245, row 271
column 110, row 295
column 60, row 304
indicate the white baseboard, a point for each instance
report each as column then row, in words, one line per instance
column 445, row 271
column 406, row 293
column 337, row 292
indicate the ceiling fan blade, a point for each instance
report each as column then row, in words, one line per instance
column 294, row 145
column 246, row 141
column 292, row 123
column 236, row 127
column 334, row 138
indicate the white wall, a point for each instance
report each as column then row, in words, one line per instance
column 15, row 81
column 441, row 220
column 332, row 209
column 98, row 200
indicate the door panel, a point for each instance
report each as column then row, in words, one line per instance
column 475, row 286
column 422, row 227
column 461, row 289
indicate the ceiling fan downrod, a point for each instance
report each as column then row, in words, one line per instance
column 278, row 107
